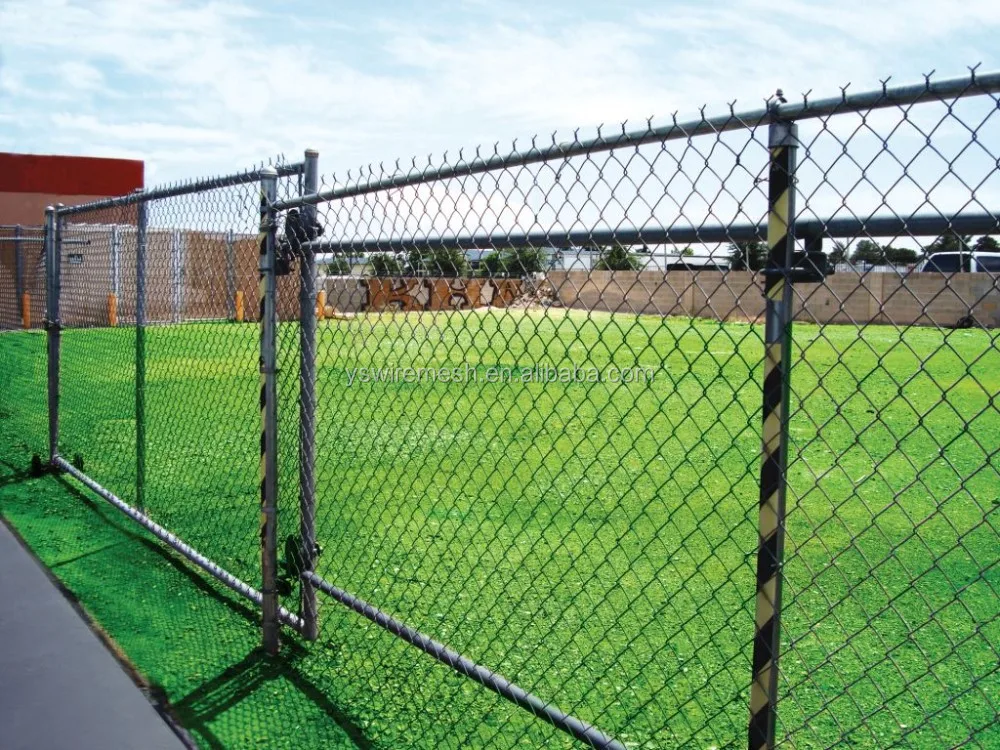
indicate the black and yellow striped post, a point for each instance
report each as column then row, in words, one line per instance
column 268, row 474
column 777, row 353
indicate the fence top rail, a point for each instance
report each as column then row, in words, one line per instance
column 849, row 227
column 186, row 188
column 39, row 241
column 897, row 96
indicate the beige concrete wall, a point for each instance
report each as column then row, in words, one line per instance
column 917, row 299
column 345, row 293
column 205, row 292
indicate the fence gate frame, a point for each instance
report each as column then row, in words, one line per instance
column 274, row 615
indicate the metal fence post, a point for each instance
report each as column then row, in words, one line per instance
column 176, row 276
column 307, row 403
column 140, row 353
column 114, row 259
column 266, row 310
column 114, row 251
column 230, row 275
column 782, row 142
column 18, row 273
column 53, row 256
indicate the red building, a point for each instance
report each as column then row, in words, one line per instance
column 30, row 182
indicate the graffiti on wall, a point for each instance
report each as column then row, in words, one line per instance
column 409, row 294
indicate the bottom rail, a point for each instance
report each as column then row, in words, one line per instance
column 465, row 666
column 219, row 573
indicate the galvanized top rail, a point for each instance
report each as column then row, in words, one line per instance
column 40, row 241
column 848, row 227
column 948, row 89
column 173, row 191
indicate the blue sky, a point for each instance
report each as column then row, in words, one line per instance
column 197, row 88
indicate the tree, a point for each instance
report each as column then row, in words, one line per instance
column 439, row 261
column 386, row 264
column 492, row 265
column 617, row 258
column 514, row 262
column 339, row 266
column 867, row 251
column 949, row 243
column 899, row 256
column 685, row 252
column 839, row 253
column 986, row 244
column 747, row 256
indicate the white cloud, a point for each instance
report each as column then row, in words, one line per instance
column 198, row 88
column 81, row 76
column 142, row 132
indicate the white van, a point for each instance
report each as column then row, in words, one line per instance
column 970, row 262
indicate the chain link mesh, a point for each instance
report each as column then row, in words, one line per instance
column 200, row 363
column 22, row 277
column 595, row 541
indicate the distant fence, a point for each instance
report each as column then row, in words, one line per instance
column 205, row 276
column 199, row 275
column 22, row 277
column 190, row 275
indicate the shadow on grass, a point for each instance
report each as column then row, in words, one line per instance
column 13, row 479
column 130, row 529
column 249, row 681
column 83, row 555
column 252, row 675
column 11, row 474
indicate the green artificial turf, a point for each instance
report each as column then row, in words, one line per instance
column 594, row 542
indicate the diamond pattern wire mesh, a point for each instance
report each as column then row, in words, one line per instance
column 891, row 608
column 22, row 271
column 528, row 525
column 595, row 542
column 201, row 363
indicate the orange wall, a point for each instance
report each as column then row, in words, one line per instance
column 30, row 182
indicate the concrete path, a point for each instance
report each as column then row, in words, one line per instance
column 60, row 687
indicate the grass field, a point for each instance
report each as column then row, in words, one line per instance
column 592, row 541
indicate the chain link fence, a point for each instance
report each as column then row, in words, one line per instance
column 584, row 441
column 22, row 277
column 158, row 360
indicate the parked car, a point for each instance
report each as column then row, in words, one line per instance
column 970, row 262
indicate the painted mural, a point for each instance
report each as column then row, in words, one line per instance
column 410, row 294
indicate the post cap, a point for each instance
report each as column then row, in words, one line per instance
column 312, row 152
column 269, row 172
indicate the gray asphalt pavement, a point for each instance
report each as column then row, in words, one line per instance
column 60, row 687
